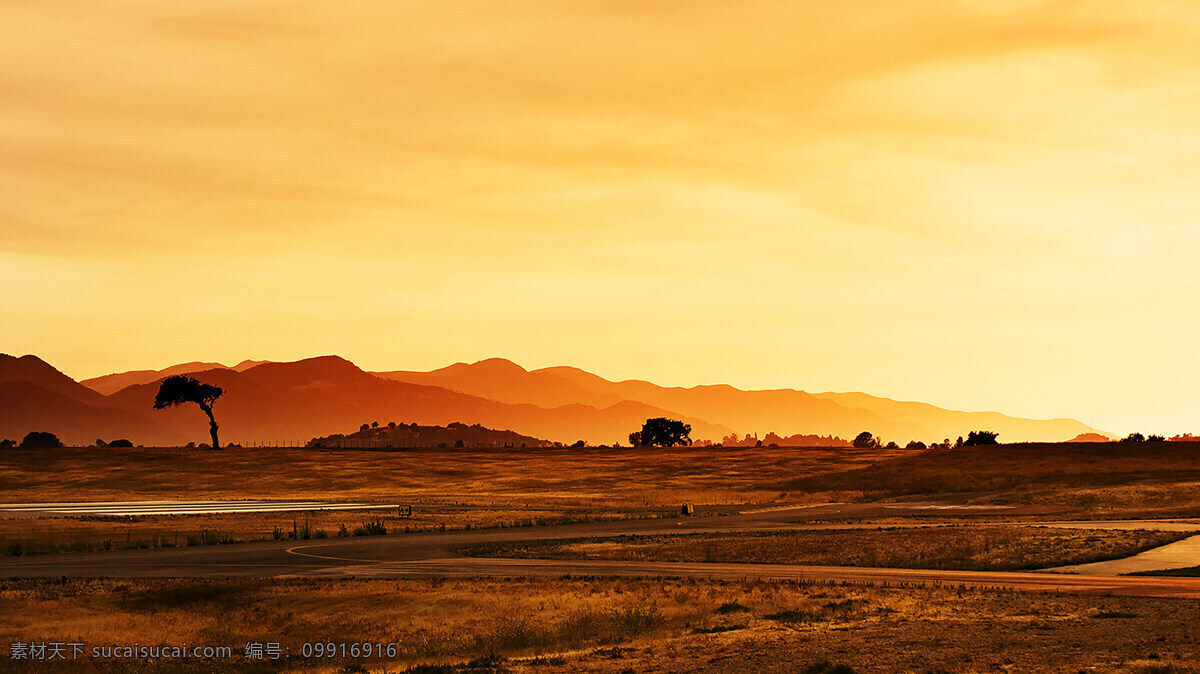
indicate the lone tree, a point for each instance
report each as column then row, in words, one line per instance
column 180, row 389
column 662, row 432
column 977, row 438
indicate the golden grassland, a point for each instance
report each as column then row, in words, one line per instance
column 607, row 625
column 49, row 534
column 620, row 625
column 1094, row 475
column 969, row 548
column 476, row 488
column 590, row 477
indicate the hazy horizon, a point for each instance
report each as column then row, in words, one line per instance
column 978, row 205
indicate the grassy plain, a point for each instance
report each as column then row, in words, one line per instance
column 591, row 477
column 608, row 625
column 1146, row 479
column 968, row 548
column 619, row 625
column 449, row 488
column 48, row 534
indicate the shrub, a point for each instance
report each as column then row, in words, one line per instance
column 122, row 442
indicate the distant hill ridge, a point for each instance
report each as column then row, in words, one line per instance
column 291, row 402
column 414, row 435
column 781, row 411
column 111, row 383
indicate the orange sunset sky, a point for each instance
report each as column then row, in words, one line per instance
column 977, row 204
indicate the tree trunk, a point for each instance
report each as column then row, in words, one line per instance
column 212, row 426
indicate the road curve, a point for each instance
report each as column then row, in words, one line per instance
column 433, row 555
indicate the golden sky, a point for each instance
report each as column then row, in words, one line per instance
column 978, row 204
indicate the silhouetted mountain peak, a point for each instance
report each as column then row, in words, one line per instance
column 498, row 365
column 306, row 372
column 30, row 368
column 14, row 368
column 488, row 367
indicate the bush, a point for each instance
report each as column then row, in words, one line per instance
column 375, row 527
column 122, row 442
column 41, row 439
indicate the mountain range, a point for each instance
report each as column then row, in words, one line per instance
column 295, row 401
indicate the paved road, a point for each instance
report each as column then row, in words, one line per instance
column 432, row 555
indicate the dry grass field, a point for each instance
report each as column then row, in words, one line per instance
column 619, row 625
column 1153, row 479
column 968, row 548
column 607, row 625
column 449, row 488
column 49, row 534
column 591, row 477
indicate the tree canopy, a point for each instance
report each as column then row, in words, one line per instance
column 662, row 432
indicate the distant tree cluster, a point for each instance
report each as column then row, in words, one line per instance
column 772, row 439
column 1138, row 437
column 867, row 440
